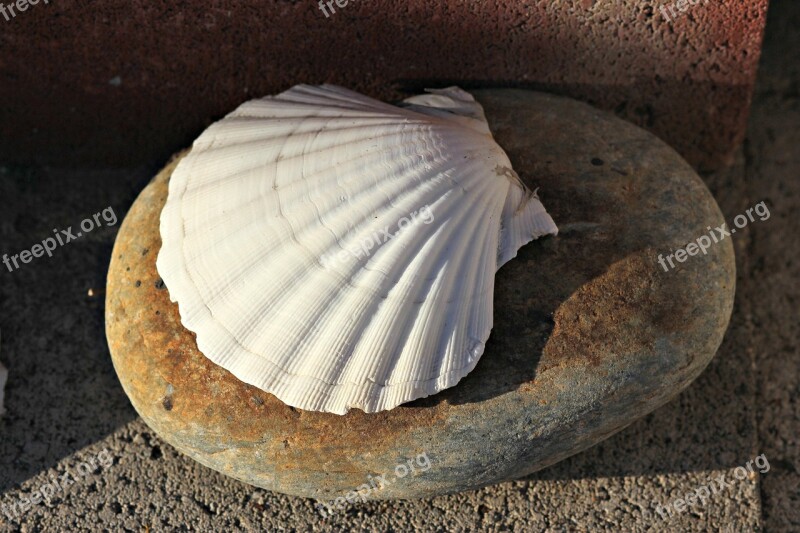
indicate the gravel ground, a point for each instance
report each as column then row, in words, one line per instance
column 67, row 414
column 773, row 168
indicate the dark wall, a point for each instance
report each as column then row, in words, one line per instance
column 116, row 82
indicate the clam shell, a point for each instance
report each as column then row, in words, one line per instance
column 340, row 252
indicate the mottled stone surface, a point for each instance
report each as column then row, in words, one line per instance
column 125, row 82
column 590, row 333
column 772, row 293
column 3, row 379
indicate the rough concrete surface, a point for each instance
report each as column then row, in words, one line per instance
column 130, row 81
column 65, row 405
column 773, row 290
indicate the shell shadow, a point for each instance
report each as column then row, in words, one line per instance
column 530, row 288
column 583, row 180
column 62, row 393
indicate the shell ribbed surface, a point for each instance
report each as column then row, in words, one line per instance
column 340, row 252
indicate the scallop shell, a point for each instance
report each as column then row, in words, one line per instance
column 339, row 252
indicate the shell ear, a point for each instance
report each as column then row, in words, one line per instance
column 453, row 103
column 340, row 252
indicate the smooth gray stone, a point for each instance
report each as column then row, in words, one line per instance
column 590, row 331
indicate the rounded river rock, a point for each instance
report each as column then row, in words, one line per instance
column 590, row 331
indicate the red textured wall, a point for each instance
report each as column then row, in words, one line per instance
column 120, row 82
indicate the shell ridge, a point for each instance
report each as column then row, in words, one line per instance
column 398, row 195
column 453, row 104
column 228, row 129
column 409, row 312
column 367, row 316
column 267, row 191
column 436, row 357
column 396, row 329
column 355, row 271
column 206, row 153
column 277, row 298
column 332, row 95
column 256, row 174
column 478, row 304
column 334, row 383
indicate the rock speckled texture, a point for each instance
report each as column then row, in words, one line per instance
column 137, row 80
column 590, row 333
column 3, row 378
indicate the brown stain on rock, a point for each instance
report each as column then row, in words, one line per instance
column 203, row 384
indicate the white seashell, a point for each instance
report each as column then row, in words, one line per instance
column 340, row 252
